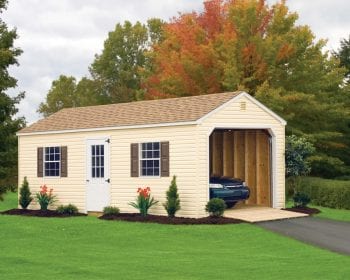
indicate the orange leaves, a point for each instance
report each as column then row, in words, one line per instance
column 284, row 52
column 226, row 46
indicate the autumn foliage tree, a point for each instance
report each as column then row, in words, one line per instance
column 252, row 46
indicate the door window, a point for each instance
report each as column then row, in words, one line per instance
column 97, row 161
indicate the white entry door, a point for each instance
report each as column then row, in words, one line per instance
column 97, row 181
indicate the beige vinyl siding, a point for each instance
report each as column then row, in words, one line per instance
column 231, row 116
column 123, row 187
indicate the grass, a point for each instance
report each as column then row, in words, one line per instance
column 328, row 213
column 334, row 214
column 88, row 248
column 10, row 201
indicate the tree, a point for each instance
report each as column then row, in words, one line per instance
column 61, row 95
column 117, row 68
column 25, row 197
column 66, row 92
column 344, row 55
column 172, row 204
column 249, row 45
column 9, row 124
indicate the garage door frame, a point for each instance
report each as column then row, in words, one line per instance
column 274, row 182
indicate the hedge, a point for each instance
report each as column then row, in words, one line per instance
column 327, row 193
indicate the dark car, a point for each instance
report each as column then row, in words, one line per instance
column 231, row 190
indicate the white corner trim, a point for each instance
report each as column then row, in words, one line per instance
column 107, row 128
column 236, row 98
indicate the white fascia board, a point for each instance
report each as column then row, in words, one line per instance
column 107, row 128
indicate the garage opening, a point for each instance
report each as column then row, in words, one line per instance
column 243, row 154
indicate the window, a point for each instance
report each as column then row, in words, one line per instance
column 150, row 159
column 52, row 160
column 97, row 161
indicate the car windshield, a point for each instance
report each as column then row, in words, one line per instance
column 224, row 181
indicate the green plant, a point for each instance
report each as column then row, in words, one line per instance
column 144, row 201
column 172, row 204
column 45, row 197
column 301, row 199
column 69, row 209
column 111, row 210
column 216, row 207
column 298, row 150
column 327, row 193
column 25, row 196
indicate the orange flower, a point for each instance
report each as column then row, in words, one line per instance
column 144, row 192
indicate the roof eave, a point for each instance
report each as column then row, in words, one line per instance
column 106, row 128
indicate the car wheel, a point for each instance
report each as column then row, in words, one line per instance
column 230, row 204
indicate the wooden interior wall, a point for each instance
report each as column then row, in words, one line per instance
column 243, row 154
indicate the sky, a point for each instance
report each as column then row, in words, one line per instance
column 62, row 37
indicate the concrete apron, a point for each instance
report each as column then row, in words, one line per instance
column 254, row 214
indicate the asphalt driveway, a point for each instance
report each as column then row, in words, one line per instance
column 324, row 233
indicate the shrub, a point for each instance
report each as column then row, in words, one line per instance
column 301, row 199
column 327, row 193
column 144, row 201
column 343, row 178
column 298, row 150
column 25, row 197
column 111, row 210
column 69, row 209
column 172, row 204
column 45, row 197
column 216, row 207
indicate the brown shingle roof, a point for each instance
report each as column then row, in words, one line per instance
column 173, row 110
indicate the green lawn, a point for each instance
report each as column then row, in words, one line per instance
column 329, row 213
column 10, row 201
column 87, row 248
column 335, row 214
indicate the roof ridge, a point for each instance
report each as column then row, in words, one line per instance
column 151, row 100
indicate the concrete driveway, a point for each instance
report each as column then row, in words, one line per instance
column 324, row 233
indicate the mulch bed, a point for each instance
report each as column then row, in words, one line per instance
column 305, row 210
column 133, row 217
column 39, row 213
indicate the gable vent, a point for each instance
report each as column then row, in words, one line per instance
column 243, row 106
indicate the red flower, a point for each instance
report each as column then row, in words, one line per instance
column 144, row 192
column 44, row 190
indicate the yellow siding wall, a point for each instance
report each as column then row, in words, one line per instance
column 231, row 116
column 123, row 187
column 188, row 160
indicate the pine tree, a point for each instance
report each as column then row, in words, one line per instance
column 9, row 123
column 172, row 204
column 25, row 195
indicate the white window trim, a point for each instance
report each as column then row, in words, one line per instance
column 44, row 161
column 140, row 159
